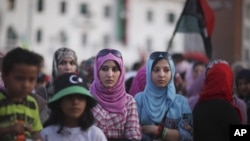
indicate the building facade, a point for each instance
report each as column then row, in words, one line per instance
column 134, row 27
column 231, row 37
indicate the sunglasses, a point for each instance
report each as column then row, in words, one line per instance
column 159, row 54
column 104, row 52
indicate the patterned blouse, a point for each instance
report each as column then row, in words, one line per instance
column 115, row 125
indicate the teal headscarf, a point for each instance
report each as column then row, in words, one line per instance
column 155, row 100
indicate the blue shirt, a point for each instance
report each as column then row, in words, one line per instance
column 177, row 116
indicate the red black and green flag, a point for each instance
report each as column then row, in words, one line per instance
column 196, row 17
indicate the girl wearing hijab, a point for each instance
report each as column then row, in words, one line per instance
column 163, row 114
column 215, row 109
column 116, row 112
column 64, row 61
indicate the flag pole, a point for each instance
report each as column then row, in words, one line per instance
column 202, row 22
column 175, row 30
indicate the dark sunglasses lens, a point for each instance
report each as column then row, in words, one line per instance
column 103, row 52
column 159, row 54
column 116, row 53
column 154, row 55
column 107, row 51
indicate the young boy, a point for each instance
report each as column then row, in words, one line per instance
column 19, row 114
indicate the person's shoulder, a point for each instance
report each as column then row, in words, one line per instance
column 31, row 102
column 39, row 99
column 2, row 95
column 180, row 98
column 238, row 101
column 50, row 127
column 41, row 91
column 129, row 97
column 49, row 130
column 96, row 131
column 94, row 128
column 31, row 98
column 138, row 96
column 215, row 104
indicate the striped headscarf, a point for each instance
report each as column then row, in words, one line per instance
column 59, row 56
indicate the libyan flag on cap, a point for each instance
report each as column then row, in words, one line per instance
column 196, row 17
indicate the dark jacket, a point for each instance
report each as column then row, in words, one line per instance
column 212, row 120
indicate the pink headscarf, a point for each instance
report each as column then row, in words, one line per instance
column 196, row 85
column 139, row 82
column 111, row 99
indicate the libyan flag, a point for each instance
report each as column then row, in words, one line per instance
column 197, row 17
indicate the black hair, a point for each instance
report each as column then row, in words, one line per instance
column 136, row 66
column 243, row 74
column 128, row 84
column 56, row 117
column 197, row 63
column 40, row 57
column 156, row 60
column 19, row 56
column 178, row 56
column 41, row 78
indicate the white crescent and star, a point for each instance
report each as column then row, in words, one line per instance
column 74, row 81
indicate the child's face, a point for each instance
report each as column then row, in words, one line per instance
column 73, row 106
column 20, row 81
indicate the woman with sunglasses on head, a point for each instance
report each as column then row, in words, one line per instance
column 116, row 112
column 163, row 114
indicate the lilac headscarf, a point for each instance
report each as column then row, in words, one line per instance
column 139, row 82
column 197, row 84
column 111, row 99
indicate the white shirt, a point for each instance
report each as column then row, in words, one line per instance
column 93, row 133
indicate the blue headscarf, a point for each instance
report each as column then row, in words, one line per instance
column 155, row 100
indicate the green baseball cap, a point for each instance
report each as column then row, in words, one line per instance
column 68, row 84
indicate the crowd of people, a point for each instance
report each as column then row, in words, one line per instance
column 166, row 98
